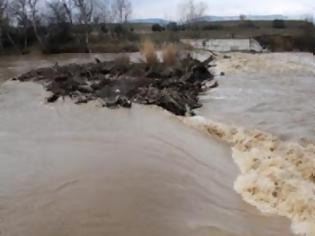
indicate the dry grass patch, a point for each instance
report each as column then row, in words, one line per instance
column 149, row 52
column 169, row 53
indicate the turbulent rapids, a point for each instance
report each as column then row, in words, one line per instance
column 274, row 93
column 276, row 177
column 83, row 170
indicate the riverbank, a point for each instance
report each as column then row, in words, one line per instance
column 288, row 36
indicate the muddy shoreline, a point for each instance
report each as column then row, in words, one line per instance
column 120, row 83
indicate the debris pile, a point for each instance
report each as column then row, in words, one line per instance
column 175, row 88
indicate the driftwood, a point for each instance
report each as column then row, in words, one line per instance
column 175, row 88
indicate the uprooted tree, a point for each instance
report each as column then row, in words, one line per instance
column 174, row 87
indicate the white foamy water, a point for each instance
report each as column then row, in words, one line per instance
column 225, row 45
column 271, row 93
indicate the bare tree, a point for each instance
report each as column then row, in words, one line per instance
column 57, row 12
column 122, row 10
column 190, row 11
column 3, row 8
column 18, row 9
column 85, row 9
column 242, row 17
column 102, row 11
column 33, row 7
column 68, row 6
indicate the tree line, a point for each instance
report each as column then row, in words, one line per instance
column 51, row 23
column 45, row 21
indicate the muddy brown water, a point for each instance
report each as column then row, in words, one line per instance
column 85, row 170
column 273, row 92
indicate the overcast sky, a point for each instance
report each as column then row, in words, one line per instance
column 168, row 8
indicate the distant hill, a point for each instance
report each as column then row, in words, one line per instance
column 248, row 17
column 212, row 18
column 150, row 21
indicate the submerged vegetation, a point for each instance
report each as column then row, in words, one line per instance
column 174, row 84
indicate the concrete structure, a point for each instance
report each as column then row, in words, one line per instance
column 225, row 45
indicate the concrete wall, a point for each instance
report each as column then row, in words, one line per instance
column 225, row 45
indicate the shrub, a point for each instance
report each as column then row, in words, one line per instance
column 149, row 52
column 306, row 41
column 104, row 28
column 169, row 54
column 195, row 34
column 59, row 34
column 278, row 24
column 247, row 24
column 172, row 26
column 211, row 27
column 119, row 30
column 157, row 28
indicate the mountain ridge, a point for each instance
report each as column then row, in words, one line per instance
column 214, row 18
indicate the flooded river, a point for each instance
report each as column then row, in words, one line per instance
column 85, row 170
column 273, row 92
